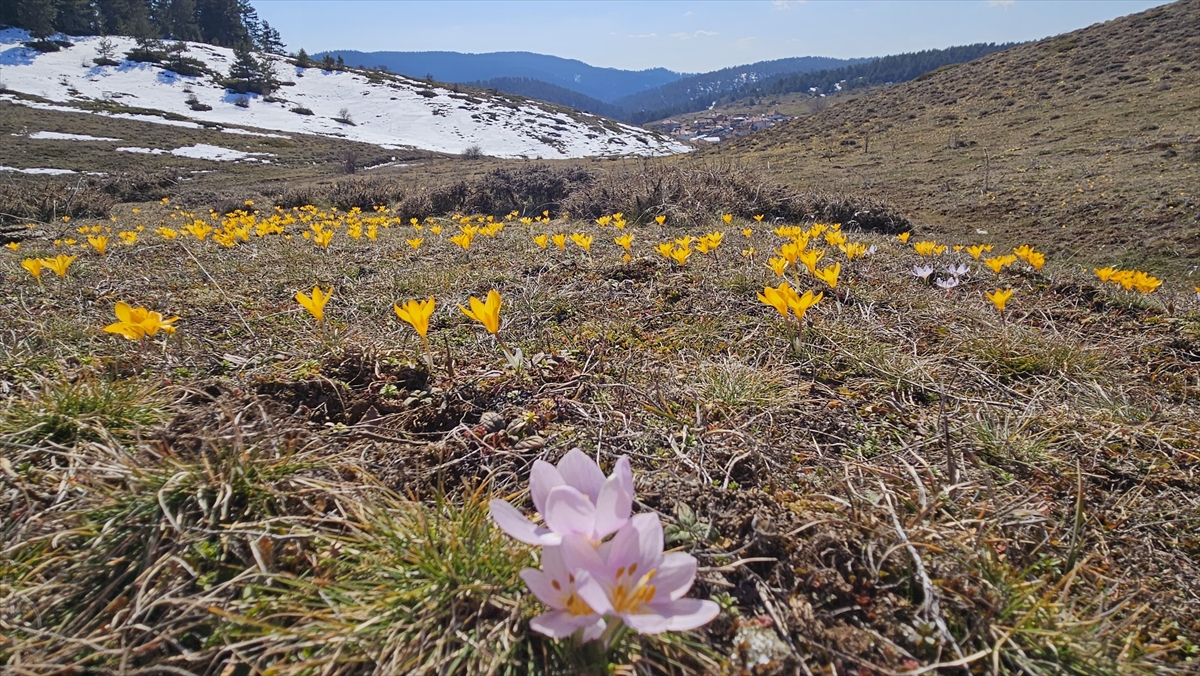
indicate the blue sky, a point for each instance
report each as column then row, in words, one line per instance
column 682, row 35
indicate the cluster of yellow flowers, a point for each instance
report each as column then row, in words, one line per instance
column 1134, row 280
column 796, row 251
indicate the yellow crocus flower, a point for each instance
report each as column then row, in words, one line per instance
column 417, row 314
column 747, row 232
column 665, row 249
column 316, row 303
column 810, row 259
column 800, row 304
column 777, row 265
column 999, row 298
column 416, row 242
column 977, row 250
column 727, row 218
column 903, row 237
column 583, row 241
column 829, row 275
column 998, row 263
column 624, row 241
column 680, row 255
column 541, row 240
column 777, row 298
column 59, row 264
column 99, row 243
column 137, row 323
column 13, row 246
column 660, row 219
column 34, row 267
column 486, row 313
column 1104, row 274
column 758, row 217
column 560, row 241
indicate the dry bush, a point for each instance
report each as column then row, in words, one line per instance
column 526, row 189
column 692, row 195
column 138, row 186
column 49, row 199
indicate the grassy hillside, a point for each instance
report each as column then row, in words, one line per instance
column 1087, row 144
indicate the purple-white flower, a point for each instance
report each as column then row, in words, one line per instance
column 923, row 271
column 554, row 585
column 630, row 578
column 573, row 498
column 959, row 270
column 948, row 283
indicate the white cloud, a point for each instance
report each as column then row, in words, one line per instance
column 786, row 4
column 680, row 36
column 705, row 33
column 1001, row 3
column 643, row 36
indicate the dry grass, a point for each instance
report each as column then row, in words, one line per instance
column 908, row 482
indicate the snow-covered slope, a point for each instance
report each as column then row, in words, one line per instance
column 387, row 110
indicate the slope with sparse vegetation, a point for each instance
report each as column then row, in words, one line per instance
column 1085, row 143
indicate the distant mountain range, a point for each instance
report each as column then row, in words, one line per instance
column 647, row 95
column 604, row 84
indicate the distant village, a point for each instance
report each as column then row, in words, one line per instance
column 718, row 127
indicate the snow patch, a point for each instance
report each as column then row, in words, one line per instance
column 203, row 151
column 42, row 171
column 58, row 136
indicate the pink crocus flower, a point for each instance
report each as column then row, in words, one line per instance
column 554, row 585
column 573, row 497
column 630, row 578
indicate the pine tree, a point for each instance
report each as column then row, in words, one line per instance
column 178, row 19
column 220, row 22
column 76, row 17
column 303, row 60
column 327, row 63
column 249, row 74
column 341, row 64
column 37, row 17
column 269, row 40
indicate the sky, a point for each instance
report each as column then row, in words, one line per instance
column 683, row 35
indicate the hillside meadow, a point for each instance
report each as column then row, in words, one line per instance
column 904, row 479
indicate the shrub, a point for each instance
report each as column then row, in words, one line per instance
column 146, row 55
column 693, row 194
column 43, row 46
column 473, row 152
column 242, row 102
column 47, row 200
column 343, row 116
column 301, row 110
column 138, row 186
column 194, row 104
column 186, row 65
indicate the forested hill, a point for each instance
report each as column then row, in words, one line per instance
column 226, row 23
column 605, row 84
column 884, row 70
column 718, row 83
